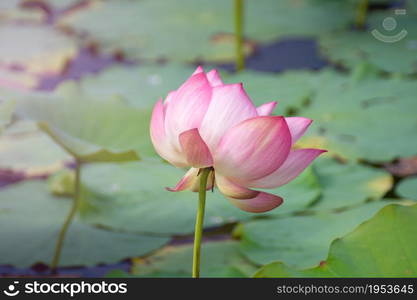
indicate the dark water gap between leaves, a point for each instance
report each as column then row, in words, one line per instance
column 283, row 55
column 87, row 62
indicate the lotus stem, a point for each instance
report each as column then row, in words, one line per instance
column 70, row 217
column 198, row 231
column 361, row 14
column 239, row 19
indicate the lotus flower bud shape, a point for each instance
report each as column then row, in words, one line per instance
column 208, row 124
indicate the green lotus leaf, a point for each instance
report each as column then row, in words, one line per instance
column 412, row 7
column 90, row 130
column 132, row 197
column 359, row 119
column 155, row 29
column 292, row 89
column 354, row 117
column 391, row 48
column 300, row 241
column 30, row 216
column 24, row 148
column 407, row 188
column 384, row 246
column 219, row 259
column 140, row 86
column 38, row 49
column 347, row 185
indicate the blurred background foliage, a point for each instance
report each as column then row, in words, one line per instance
column 78, row 78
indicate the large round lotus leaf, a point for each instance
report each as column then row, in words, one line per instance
column 359, row 119
column 218, row 259
column 384, row 246
column 141, row 86
column 346, row 185
column 189, row 30
column 91, row 130
column 268, row 20
column 30, row 151
column 301, row 241
column 36, row 48
column 30, row 219
column 132, row 197
column 392, row 50
column 407, row 188
column 290, row 89
column 155, row 29
column 299, row 194
column 412, row 7
column 354, row 116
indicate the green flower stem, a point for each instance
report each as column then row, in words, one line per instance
column 240, row 55
column 361, row 14
column 198, row 231
column 70, row 217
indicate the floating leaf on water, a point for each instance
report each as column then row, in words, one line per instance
column 31, row 216
column 38, row 49
column 384, row 246
column 91, row 131
column 391, row 48
column 347, row 185
column 157, row 29
column 132, row 197
column 140, row 86
column 407, row 188
column 220, row 259
column 300, row 241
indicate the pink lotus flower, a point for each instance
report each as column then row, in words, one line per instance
column 206, row 123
